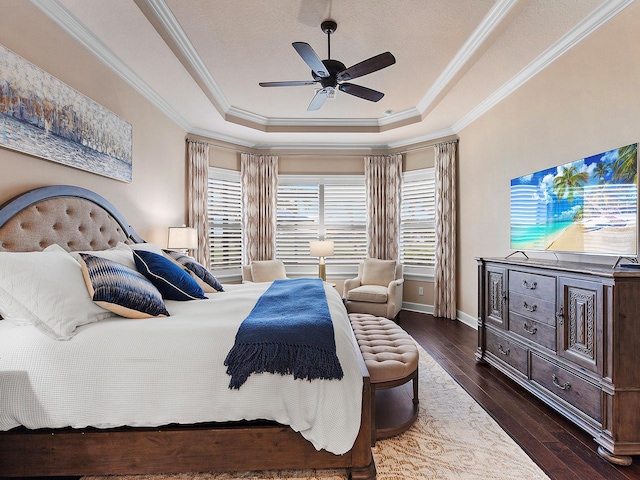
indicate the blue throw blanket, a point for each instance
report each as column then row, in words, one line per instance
column 289, row 331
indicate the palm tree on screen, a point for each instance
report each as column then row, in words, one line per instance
column 569, row 182
column 625, row 168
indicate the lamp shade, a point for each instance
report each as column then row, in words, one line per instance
column 182, row 237
column 321, row 248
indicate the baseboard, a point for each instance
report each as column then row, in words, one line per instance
column 422, row 308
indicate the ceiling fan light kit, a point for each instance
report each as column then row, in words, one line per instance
column 332, row 74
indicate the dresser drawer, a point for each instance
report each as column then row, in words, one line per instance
column 580, row 393
column 534, row 308
column 537, row 332
column 507, row 350
column 533, row 285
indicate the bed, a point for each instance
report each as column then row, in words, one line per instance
column 121, row 396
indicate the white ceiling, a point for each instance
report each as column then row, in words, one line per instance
column 200, row 61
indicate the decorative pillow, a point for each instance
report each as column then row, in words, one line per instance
column 204, row 277
column 172, row 281
column 45, row 289
column 120, row 289
column 267, row 270
column 378, row 272
column 121, row 253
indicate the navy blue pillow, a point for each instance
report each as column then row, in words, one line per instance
column 172, row 282
column 196, row 268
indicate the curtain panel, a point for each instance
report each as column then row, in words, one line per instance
column 198, row 169
column 259, row 185
column 444, row 304
column 383, row 183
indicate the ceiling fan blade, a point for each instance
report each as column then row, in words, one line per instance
column 311, row 58
column 294, row 83
column 319, row 99
column 361, row 92
column 367, row 66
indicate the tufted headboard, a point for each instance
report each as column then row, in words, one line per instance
column 72, row 217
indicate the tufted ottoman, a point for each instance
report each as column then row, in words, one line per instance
column 392, row 358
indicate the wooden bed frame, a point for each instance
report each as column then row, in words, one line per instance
column 211, row 447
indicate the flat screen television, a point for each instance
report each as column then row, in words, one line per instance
column 586, row 206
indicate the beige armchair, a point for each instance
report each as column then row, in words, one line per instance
column 263, row 271
column 376, row 290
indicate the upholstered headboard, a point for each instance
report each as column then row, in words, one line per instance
column 72, row 217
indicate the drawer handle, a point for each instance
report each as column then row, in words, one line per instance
column 503, row 351
column 529, row 286
column 530, row 330
column 566, row 386
column 530, row 308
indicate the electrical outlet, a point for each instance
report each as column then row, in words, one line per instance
column 420, row 291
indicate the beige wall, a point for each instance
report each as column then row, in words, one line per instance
column 156, row 198
column 588, row 101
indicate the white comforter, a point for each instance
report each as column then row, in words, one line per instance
column 154, row 372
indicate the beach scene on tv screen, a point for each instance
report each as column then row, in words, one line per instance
column 586, row 206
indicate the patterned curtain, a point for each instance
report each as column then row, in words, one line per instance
column 259, row 184
column 197, row 196
column 444, row 304
column 383, row 183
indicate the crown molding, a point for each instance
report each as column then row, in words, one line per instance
column 400, row 117
column 70, row 24
column 168, row 20
column 495, row 16
column 435, row 135
column 299, row 122
column 203, row 132
column 582, row 30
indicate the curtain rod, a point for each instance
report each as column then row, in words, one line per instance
column 322, row 154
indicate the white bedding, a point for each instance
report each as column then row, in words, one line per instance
column 153, row 372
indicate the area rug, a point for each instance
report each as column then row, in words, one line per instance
column 453, row 438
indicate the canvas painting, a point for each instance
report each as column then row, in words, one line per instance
column 44, row 117
column 586, row 206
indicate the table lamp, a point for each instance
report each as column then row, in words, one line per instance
column 182, row 238
column 321, row 248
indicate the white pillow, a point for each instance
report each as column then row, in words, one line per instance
column 147, row 247
column 121, row 253
column 46, row 289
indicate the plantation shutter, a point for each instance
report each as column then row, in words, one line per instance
column 298, row 222
column 224, row 209
column 345, row 222
column 417, row 219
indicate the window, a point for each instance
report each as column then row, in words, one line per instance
column 224, row 210
column 313, row 207
column 417, row 221
column 332, row 207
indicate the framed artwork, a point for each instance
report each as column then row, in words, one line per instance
column 46, row 118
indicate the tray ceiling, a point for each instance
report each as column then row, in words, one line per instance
column 200, row 61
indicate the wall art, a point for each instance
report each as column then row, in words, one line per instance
column 46, row 118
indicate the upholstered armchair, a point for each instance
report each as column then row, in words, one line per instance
column 376, row 290
column 263, row 271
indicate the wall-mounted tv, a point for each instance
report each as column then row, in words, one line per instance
column 587, row 206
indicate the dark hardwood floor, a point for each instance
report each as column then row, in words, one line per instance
column 561, row 449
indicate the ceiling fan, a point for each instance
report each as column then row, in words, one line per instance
column 332, row 74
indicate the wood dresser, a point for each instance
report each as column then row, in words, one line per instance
column 569, row 333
